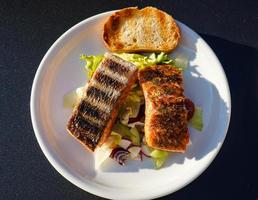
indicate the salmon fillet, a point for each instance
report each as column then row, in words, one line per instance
column 165, row 110
column 94, row 116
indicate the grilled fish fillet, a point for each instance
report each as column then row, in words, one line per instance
column 165, row 113
column 94, row 116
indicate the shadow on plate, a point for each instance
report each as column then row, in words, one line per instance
column 240, row 64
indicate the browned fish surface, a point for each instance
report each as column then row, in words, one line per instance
column 93, row 118
column 166, row 113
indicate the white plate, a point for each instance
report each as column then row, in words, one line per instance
column 61, row 71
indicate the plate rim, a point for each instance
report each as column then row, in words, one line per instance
column 56, row 162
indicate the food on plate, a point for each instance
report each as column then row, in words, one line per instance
column 134, row 106
column 141, row 30
column 93, row 117
column 127, row 140
column 166, row 114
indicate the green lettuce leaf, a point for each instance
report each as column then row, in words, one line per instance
column 116, row 137
column 159, row 154
column 159, row 157
column 126, row 132
column 135, row 136
column 159, row 162
column 181, row 62
column 197, row 121
column 131, row 107
column 139, row 60
column 124, row 114
column 122, row 129
column 142, row 61
column 92, row 62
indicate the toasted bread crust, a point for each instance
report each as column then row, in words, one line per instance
column 141, row 30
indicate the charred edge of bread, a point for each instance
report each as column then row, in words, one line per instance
column 113, row 21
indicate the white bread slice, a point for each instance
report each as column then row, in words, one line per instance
column 141, row 30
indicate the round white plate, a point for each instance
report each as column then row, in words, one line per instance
column 61, row 71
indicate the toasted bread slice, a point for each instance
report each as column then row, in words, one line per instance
column 141, row 30
column 165, row 112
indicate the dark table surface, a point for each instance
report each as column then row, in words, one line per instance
column 28, row 29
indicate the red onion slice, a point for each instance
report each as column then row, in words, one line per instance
column 120, row 155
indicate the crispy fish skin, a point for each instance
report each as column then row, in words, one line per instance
column 165, row 109
column 94, row 116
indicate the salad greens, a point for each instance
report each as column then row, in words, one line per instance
column 159, row 157
column 135, row 136
column 116, row 137
column 126, row 132
column 197, row 121
column 122, row 130
column 92, row 62
column 181, row 62
column 131, row 106
column 129, row 109
column 142, row 61
column 127, row 139
column 139, row 60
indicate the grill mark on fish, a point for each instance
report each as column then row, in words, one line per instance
column 93, row 120
column 114, row 75
column 87, row 109
column 97, row 103
column 108, row 81
column 87, row 132
column 116, row 67
column 110, row 91
column 86, row 125
column 101, row 95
